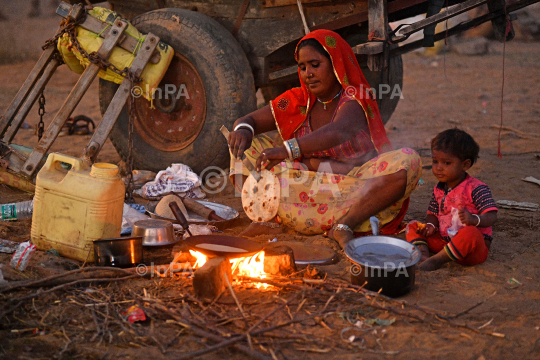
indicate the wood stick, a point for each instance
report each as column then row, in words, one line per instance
column 472, row 307
column 39, row 283
column 38, row 293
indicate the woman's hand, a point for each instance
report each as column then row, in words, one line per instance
column 271, row 157
column 239, row 141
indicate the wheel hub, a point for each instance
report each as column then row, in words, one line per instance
column 179, row 108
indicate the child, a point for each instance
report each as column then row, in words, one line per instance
column 453, row 153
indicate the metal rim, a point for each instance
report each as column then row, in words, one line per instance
column 179, row 110
column 353, row 244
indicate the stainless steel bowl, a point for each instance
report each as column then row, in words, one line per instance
column 155, row 232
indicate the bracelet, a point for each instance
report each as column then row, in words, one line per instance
column 288, row 148
column 479, row 220
column 342, row 227
column 434, row 227
column 245, row 125
column 295, row 148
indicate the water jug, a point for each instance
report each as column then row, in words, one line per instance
column 74, row 207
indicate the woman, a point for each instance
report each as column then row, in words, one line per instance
column 332, row 154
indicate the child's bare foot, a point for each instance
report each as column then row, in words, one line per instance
column 435, row 262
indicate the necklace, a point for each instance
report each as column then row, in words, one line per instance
column 329, row 101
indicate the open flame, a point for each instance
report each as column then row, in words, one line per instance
column 251, row 266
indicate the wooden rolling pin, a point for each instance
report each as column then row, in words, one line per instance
column 201, row 210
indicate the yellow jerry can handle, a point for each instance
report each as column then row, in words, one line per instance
column 54, row 159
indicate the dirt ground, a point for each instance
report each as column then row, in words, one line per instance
column 439, row 92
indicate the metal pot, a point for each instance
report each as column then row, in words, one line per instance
column 383, row 262
column 155, row 232
column 119, row 252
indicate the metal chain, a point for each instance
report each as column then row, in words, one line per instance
column 41, row 112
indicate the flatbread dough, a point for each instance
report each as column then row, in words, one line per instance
column 220, row 248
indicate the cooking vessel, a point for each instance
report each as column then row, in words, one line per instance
column 118, row 252
column 383, row 262
column 155, row 232
column 222, row 245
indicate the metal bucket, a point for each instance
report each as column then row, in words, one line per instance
column 118, row 252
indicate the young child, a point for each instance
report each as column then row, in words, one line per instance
column 453, row 153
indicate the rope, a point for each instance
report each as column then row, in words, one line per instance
column 506, row 32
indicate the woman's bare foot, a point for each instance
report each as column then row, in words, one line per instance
column 262, row 228
column 342, row 237
column 435, row 262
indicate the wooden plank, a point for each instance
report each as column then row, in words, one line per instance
column 443, row 15
column 119, row 100
column 17, row 102
column 73, row 99
column 128, row 43
column 37, row 89
column 378, row 27
column 369, row 48
column 277, row 3
column 499, row 23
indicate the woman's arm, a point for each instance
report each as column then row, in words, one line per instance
column 261, row 120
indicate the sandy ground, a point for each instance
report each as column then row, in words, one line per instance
column 439, row 92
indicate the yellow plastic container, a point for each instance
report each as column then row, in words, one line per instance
column 73, row 208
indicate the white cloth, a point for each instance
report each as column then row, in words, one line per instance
column 177, row 178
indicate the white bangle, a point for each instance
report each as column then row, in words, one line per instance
column 247, row 126
column 479, row 220
column 287, row 147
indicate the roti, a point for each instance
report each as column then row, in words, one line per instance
column 260, row 200
column 220, row 248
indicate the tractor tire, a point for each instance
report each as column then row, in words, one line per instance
column 209, row 67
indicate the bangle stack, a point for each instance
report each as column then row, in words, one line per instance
column 293, row 149
column 245, row 126
column 479, row 220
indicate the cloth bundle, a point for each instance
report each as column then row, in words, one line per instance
column 177, row 178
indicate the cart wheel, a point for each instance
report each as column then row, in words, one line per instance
column 213, row 77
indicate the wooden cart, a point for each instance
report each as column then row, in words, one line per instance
column 226, row 49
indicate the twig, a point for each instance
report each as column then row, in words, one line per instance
column 234, row 297
column 472, row 307
column 36, row 283
column 39, row 292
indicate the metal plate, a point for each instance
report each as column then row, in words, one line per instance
column 226, row 212
column 248, row 247
column 376, row 251
column 311, row 254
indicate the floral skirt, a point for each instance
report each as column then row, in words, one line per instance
column 310, row 202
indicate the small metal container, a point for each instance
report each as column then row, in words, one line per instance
column 155, row 232
column 118, row 252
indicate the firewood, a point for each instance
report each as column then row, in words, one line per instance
column 279, row 260
column 208, row 281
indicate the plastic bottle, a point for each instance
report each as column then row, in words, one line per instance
column 16, row 211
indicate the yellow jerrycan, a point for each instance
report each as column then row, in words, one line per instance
column 72, row 208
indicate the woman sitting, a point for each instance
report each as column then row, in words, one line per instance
column 332, row 156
